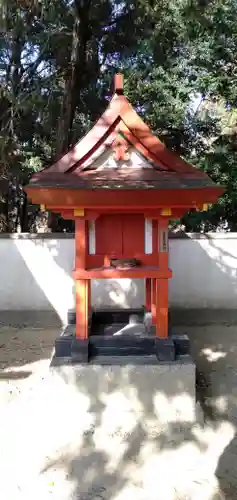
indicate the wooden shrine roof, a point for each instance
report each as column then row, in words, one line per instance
column 121, row 179
column 121, row 132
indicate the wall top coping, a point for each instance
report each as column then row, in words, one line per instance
column 65, row 236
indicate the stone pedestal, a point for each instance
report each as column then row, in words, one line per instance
column 128, row 425
column 151, row 378
column 121, row 390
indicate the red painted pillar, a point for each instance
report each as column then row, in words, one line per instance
column 148, row 294
column 83, row 288
column 153, row 301
column 162, row 308
column 82, row 308
column 162, row 299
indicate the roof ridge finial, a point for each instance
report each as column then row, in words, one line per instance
column 118, row 83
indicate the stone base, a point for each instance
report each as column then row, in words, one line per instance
column 115, row 333
column 136, row 391
column 127, row 431
column 150, row 378
column 69, row 349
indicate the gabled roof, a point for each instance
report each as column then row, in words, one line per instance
column 119, row 130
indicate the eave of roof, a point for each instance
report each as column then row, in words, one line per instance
column 122, row 179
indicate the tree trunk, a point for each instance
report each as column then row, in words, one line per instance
column 80, row 36
column 77, row 66
column 14, row 79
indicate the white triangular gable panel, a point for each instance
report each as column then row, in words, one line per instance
column 106, row 160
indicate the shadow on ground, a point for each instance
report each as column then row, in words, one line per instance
column 183, row 459
column 15, row 375
column 181, row 456
column 90, row 461
column 125, row 447
column 214, row 348
column 23, row 346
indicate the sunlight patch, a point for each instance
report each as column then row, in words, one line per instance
column 213, row 356
column 179, row 408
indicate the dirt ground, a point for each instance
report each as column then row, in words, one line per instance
column 32, row 411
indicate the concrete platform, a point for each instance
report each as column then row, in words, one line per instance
column 120, row 390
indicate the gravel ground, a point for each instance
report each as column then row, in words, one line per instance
column 43, row 456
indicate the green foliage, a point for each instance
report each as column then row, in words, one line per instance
column 192, row 52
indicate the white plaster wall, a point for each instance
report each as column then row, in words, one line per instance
column 204, row 271
column 35, row 273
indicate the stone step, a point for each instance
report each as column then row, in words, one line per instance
column 124, row 360
column 120, row 345
column 124, row 340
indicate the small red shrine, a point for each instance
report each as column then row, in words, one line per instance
column 121, row 185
